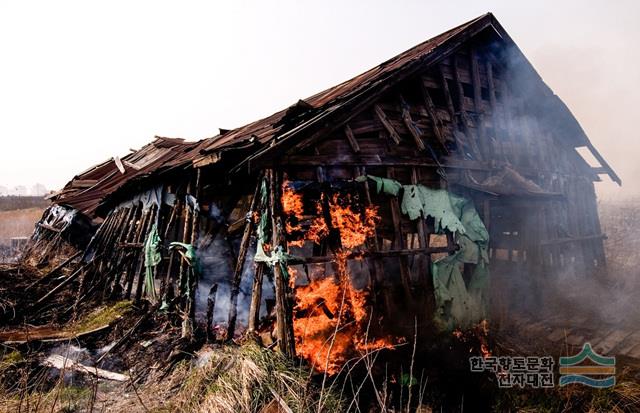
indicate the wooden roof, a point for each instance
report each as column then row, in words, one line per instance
column 306, row 120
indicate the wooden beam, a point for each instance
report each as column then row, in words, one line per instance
column 55, row 270
column 119, row 164
column 477, row 104
column 447, row 94
column 433, row 114
column 408, row 122
column 356, row 255
column 405, row 273
column 242, row 255
column 256, row 297
column 475, row 80
column 352, row 139
column 284, row 322
column 211, row 305
column 604, row 164
column 569, row 240
column 382, row 117
column 423, row 236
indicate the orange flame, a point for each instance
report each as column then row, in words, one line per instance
column 292, row 206
column 479, row 333
column 331, row 316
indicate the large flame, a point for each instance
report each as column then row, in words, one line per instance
column 331, row 316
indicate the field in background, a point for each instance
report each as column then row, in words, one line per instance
column 18, row 223
column 620, row 221
column 10, row 203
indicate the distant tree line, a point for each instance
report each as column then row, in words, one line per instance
column 12, row 202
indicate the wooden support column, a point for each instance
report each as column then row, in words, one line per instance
column 256, row 297
column 405, row 273
column 120, row 255
column 483, row 142
column 141, row 256
column 166, row 280
column 173, row 227
column 211, row 305
column 134, row 254
column 242, row 255
column 190, row 279
column 423, row 241
column 185, row 239
column 284, row 317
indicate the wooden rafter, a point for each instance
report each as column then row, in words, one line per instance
column 415, row 132
column 382, row 117
column 352, row 139
column 433, row 114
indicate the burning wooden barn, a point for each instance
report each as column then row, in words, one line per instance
column 384, row 201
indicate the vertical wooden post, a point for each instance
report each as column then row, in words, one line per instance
column 211, row 305
column 130, row 269
column 195, row 221
column 405, row 273
column 242, row 255
column 256, row 297
column 284, row 319
column 185, row 237
column 190, row 227
column 140, row 271
column 116, row 288
column 174, row 224
column 423, row 240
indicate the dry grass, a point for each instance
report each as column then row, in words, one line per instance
column 250, row 379
column 18, row 223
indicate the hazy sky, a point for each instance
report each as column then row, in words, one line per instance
column 81, row 81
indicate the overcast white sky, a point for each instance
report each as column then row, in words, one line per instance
column 81, row 81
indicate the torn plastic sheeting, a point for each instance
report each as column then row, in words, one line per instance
column 458, row 304
column 169, row 199
column 386, row 185
column 188, row 252
column 420, row 201
column 59, row 214
column 152, row 258
column 148, row 198
column 277, row 257
column 192, row 202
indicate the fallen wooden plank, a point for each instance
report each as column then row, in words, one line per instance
column 119, row 165
column 611, row 341
column 45, row 334
column 55, row 270
column 63, row 363
column 629, row 343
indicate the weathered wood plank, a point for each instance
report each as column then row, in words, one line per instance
column 352, row 139
column 382, row 117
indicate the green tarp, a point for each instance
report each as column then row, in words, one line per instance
column 152, row 258
column 459, row 304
